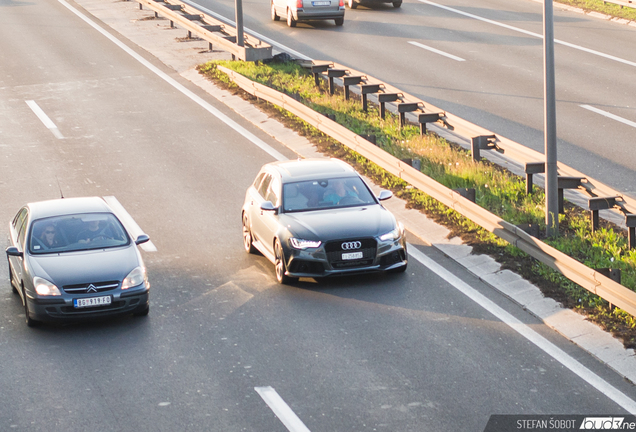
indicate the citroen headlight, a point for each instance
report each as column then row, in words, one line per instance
column 44, row 287
column 134, row 278
column 393, row 235
column 304, row 244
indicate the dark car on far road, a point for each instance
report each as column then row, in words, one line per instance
column 352, row 4
column 317, row 218
column 72, row 258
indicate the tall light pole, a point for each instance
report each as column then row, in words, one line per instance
column 549, row 124
column 239, row 22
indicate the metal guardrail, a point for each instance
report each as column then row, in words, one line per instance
column 511, row 149
column 577, row 272
column 622, row 3
column 209, row 29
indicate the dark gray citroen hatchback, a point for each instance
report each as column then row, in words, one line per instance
column 72, row 259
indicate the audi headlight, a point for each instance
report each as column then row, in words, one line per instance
column 304, row 244
column 134, row 278
column 44, row 287
column 393, row 235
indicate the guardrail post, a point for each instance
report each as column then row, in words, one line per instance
column 613, row 274
column 349, row 81
column 530, row 169
column 334, row 73
column 530, row 229
column 366, row 89
column 468, row 193
column 371, row 138
column 481, row 142
column 630, row 222
column 599, row 203
column 427, row 118
column 384, row 98
column 566, row 183
column 317, row 70
column 405, row 107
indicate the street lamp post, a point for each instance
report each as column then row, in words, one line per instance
column 550, row 136
column 239, row 22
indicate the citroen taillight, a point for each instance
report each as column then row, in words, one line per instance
column 299, row 4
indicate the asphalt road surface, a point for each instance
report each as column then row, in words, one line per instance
column 483, row 61
column 431, row 349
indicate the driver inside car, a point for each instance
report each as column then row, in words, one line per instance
column 337, row 191
column 94, row 232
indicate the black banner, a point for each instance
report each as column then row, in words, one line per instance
column 564, row 423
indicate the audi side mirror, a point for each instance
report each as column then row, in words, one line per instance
column 385, row 195
column 13, row 251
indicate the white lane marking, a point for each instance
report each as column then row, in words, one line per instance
column 205, row 105
column 548, row 347
column 436, row 51
column 529, row 33
column 281, row 409
column 272, row 42
column 270, row 396
column 44, row 119
column 129, row 222
column 609, row 115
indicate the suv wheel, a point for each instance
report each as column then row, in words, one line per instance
column 275, row 17
column 290, row 19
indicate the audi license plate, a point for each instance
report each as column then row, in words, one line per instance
column 351, row 256
column 321, row 3
column 92, row 301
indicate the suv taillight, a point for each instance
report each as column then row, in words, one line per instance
column 299, row 4
column 341, row 4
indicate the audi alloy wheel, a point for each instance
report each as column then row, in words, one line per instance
column 279, row 263
column 247, row 236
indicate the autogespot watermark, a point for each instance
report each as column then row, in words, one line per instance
column 540, row 423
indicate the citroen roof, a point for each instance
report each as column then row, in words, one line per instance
column 65, row 206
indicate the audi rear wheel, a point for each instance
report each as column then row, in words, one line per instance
column 248, row 241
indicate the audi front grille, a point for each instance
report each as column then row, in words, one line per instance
column 335, row 249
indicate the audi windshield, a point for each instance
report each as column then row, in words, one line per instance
column 327, row 193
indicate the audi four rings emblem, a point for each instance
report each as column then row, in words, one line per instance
column 351, row 245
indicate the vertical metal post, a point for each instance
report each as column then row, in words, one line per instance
column 239, row 23
column 551, row 183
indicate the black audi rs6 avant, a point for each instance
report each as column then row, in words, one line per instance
column 318, row 218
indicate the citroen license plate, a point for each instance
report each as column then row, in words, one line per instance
column 92, row 301
column 321, row 3
column 351, row 256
